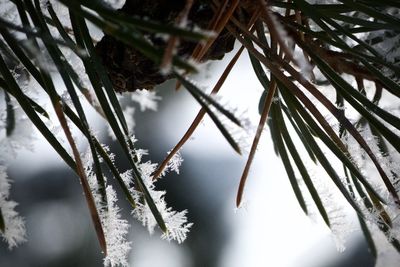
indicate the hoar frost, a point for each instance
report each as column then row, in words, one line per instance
column 14, row 232
column 146, row 99
column 19, row 138
column 174, row 163
column 115, row 228
column 176, row 222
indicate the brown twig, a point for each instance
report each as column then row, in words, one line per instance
column 218, row 15
column 202, row 112
column 82, row 176
column 260, row 128
column 173, row 41
column 268, row 17
column 219, row 26
column 199, row 116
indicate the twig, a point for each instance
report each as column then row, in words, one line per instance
column 173, row 41
column 260, row 128
column 199, row 116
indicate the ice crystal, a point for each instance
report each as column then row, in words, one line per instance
column 14, row 232
column 115, row 231
column 241, row 134
column 176, row 222
column 115, row 228
column 341, row 223
column 146, row 99
column 174, row 163
column 177, row 225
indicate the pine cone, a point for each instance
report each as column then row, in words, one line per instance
column 129, row 69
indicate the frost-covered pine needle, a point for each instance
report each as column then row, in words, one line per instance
column 14, row 233
column 115, row 231
column 176, row 222
column 174, row 163
column 241, row 134
column 115, row 228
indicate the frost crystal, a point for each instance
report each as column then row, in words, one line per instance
column 242, row 135
column 146, row 99
column 115, row 231
column 115, row 228
column 14, row 232
column 20, row 138
column 174, row 163
column 177, row 226
column 176, row 222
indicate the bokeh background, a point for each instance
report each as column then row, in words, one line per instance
column 270, row 230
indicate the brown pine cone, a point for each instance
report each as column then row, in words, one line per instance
column 129, row 69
